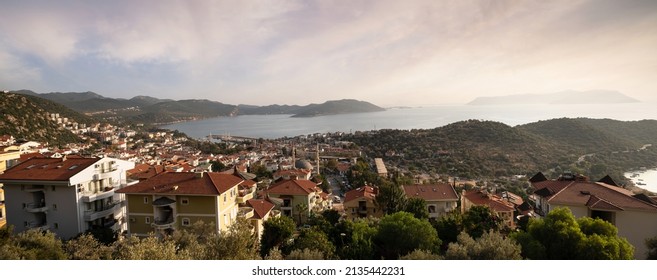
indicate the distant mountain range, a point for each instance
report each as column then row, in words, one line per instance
column 563, row 97
column 153, row 110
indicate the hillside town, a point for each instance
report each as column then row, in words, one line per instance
column 135, row 182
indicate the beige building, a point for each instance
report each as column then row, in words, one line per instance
column 171, row 200
column 635, row 215
column 9, row 156
column 297, row 198
column 441, row 198
column 360, row 203
column 67, row 196
column 500, row 206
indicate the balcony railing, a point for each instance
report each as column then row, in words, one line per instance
column 164, row 223
column 37, row 189
column 245, row 194
column 37, row 225
column 93, row 196
column 245, row 212
column 36, row 207
column 91, row 215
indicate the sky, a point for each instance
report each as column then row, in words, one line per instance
column 390, row 53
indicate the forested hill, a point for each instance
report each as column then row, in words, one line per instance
column 476, row 148
column 28, row 117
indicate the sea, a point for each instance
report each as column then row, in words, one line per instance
column 645, row 179
column 278, row 126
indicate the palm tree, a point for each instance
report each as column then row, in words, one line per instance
column 301, row 208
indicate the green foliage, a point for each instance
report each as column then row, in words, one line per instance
column 448, row 228
column 480, row 219
column 32, row 245
column 418, row 207
column 148, row 248
column 238, row 243
column 651, row 244
column 87, row 247
column 421, row 255
column 305, row 254
column 560, row 236
column 276, row 233
column 312, row 239
column 391, row 199
column 490, row 246
column 217, row 166
column 401, row 233
column 355, row 239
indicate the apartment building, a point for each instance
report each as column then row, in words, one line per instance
column 441, row 198
column 9, row 156
column 170, row 201
column 360, row 203
column 635, row 215
column 297, row 198
column 67, row 196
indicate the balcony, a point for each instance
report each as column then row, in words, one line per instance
column 362, row 210
column 93, row 196
column 91, row 215
column 113, row 224
column 38, row 226
column 274, row 213
column 36, row 207
column 245, row 212
column 245, row 194
column 164, row 223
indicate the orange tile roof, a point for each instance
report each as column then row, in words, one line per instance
column 433, row 192
column 494, row 202
column 580, row 193
column 260, row 207
column 48, row 169
column 366, row 192
column 293, row 187
column 184, row 183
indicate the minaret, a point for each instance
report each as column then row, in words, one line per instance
column 294, row 157
column 317, row 158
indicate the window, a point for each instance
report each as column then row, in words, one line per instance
column 145, row 200
column 224, row 197
column 148, row 220
column 184, row 201
column 53, row 188
column 132, row 220
column 25, row 223
column 54, row 206
column 56, row 225
column 185, row 222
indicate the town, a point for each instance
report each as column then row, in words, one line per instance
column 315, row 196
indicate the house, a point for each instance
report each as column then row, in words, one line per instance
column 262, row 210
column 500, row 206
column 380, row 167
column 441, row 198
column 174, row 200
column 297, row 198
column 67, row 196
column 635, row 215
column 292, row 174
column 360, row 203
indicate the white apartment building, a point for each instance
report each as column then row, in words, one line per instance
column 67, row 196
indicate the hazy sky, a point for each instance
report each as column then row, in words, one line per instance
column 297, row 52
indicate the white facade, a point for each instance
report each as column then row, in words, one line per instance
column 70, row 207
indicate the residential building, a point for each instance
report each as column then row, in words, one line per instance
column 9, row 156
column 441, row 198
column 360, row 203
column 380, row 167
column 635, row 215
column 292, row 174
column 262, row 210
column 297, row 198
column 173, row 200
column 500, row 206
column 67, row 196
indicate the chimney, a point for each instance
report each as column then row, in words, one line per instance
column 199, row 174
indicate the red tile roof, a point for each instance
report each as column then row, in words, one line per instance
column 434, row 192
column 184, row 183
column 293, row 187
column 495, row 203
column 366, row 192
column 580, row 193
column 48, row 169
column 260, row 207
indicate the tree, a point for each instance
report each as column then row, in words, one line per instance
column 651, row 243
column 301, row 208
column 32, row 245
column 217, row 166
column 86, row 247
column 315, row 240
column 560, row 236
column 305, row 254
column 401, row 233
column 448, row 228
column 421, row 255
column 149, row 248
column 355, row 239
column 276, row 233
column 480, row 219
column 490, row 246
column 418, row 207
column 238, row 243
column 391, row 199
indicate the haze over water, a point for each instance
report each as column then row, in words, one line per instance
column 276, row 126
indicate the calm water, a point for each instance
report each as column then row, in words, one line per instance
column 647, row 177
column 275, row 126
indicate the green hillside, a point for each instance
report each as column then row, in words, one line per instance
column 26, row 117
